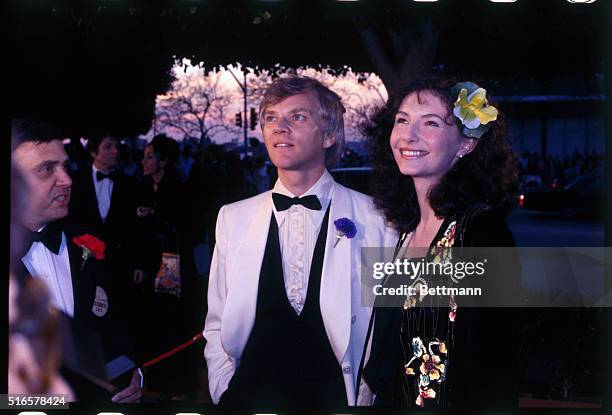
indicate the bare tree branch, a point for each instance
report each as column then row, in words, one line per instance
column 195, row 107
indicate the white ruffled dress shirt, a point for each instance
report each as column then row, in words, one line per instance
column 54, row 270
column 298, row 229
column 104, row 192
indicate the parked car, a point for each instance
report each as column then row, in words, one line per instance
column 582, row 196
column 530, row 182
column 356, row 178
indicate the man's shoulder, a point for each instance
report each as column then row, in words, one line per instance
column 246, row 204
column 359, row 199
column 358, row 196
column 363, row 207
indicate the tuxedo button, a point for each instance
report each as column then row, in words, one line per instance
column 346, row 370
column 353, row 319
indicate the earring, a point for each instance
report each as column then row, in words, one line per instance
column 460, row 155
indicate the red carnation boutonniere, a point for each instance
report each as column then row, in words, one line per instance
column 91, row 246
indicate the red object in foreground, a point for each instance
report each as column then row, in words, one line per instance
column 174, row 351
column 92, row 244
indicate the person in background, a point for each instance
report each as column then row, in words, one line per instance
column 126, row 161
column 79, row 159
column 258, row 150
column 104, row 199
column 164, row 229
column 185, row 161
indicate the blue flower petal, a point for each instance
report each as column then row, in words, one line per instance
column 346, row 227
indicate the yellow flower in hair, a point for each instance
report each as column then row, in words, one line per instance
column 473, row 109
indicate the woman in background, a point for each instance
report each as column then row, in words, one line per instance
column 166, row 248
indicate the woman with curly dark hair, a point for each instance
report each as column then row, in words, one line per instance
column 444, row 176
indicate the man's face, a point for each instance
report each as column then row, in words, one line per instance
column 293, row 134
column 44, row 168
column 108, row 154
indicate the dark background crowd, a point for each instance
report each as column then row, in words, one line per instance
column 236, row 177
column 554, row 172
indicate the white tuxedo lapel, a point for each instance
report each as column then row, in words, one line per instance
column 244, row 267
column 335, row 297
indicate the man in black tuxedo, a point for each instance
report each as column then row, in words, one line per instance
column 104, row 198
column 81, row 287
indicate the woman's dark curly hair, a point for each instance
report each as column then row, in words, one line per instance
column 166, row 149
column 486, row 175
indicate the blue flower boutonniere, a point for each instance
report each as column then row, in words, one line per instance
column 344, row 227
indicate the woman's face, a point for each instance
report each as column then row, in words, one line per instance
column 423, row 144
column 150, row 163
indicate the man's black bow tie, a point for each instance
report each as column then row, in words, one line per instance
column 101, row 176
column 283, row 202
column 50, row 236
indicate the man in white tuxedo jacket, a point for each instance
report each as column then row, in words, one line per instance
column 285, row 324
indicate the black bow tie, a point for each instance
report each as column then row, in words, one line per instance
column 283, row 202
column 101, row 176
column 50, row 236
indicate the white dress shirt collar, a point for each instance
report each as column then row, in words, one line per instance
column 104, row 193
column 322, row 189
column 94, row 170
